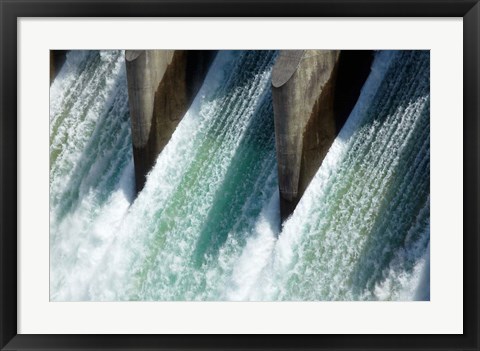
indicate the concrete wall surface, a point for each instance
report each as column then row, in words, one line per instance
column 161, row 86
column 310, row 106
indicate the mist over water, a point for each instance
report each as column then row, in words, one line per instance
column 206, row 226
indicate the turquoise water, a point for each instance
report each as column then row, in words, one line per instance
column 206, row 226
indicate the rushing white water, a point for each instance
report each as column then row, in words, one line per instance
column 91, row 166
column 206, row 226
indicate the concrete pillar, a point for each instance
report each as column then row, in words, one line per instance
column 161, row 86
column 310, row 106
column 57, row 59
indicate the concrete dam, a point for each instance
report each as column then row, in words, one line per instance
column 313, row 93
column 214, row 220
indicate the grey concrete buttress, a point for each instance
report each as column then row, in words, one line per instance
column 161, row 86
column 310, row 106
column 301, row 80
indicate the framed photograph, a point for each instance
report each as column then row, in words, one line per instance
column 239, row 175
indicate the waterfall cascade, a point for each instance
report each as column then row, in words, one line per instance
column 206, row 226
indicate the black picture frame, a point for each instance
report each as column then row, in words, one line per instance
column 11, row 10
